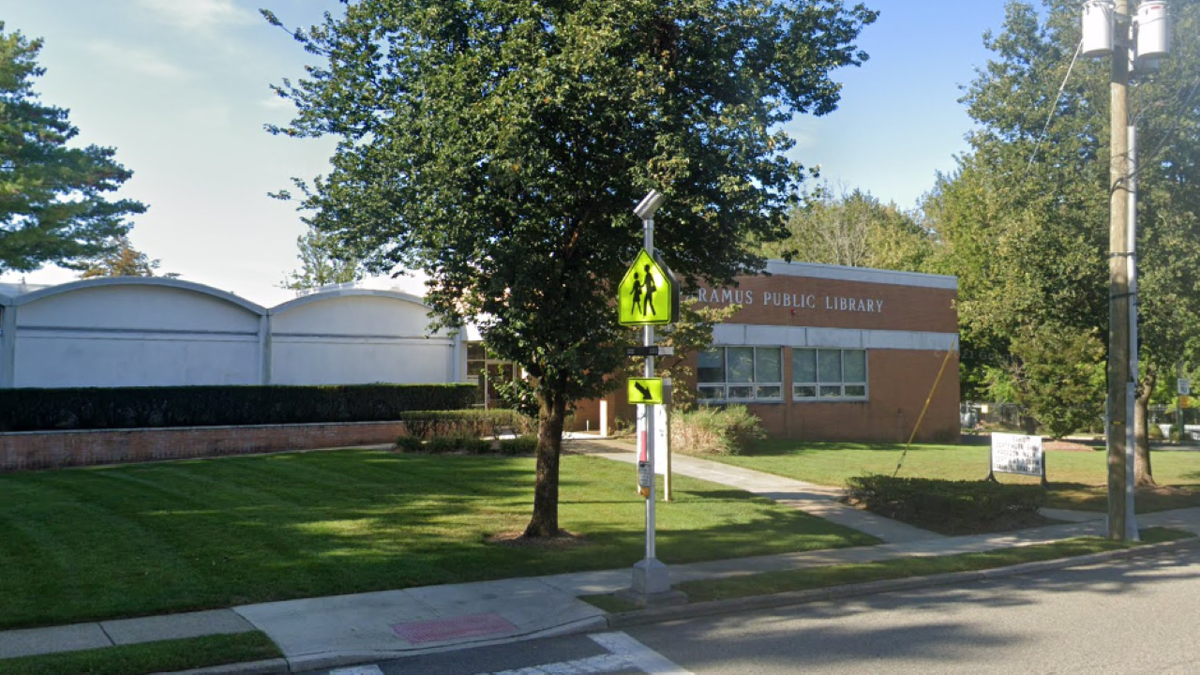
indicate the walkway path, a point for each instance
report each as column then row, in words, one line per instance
column 818, row 500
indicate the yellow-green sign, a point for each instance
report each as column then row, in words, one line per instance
column 649, row 294
column 646, row 390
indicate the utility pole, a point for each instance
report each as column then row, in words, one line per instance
column 1118, row 273
column 1108, row 29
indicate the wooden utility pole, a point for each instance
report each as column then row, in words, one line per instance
column 1118, row 274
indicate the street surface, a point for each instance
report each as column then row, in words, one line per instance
column 1132, row 615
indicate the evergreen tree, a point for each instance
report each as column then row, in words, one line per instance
column 52, row 197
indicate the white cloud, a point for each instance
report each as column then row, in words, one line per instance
column 137, row 60
column 200, row 15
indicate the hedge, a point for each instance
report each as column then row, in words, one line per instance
column 948, row 507
column 428, row 424
column 198, row 406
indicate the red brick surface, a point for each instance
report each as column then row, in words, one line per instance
column 25, row 451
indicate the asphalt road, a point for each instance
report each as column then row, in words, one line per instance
column 1132, row 615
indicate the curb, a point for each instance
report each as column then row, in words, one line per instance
column 734, row 605
column 265, row 667
column 792, row 598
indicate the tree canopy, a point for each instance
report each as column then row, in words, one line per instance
column 1023, row 221
column 53, row 205
column 123, row 261
column 501, row 146
column 322, row 262
column 853, row 229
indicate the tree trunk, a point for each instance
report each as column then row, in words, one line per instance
column 1142, row 474
column 549, row 448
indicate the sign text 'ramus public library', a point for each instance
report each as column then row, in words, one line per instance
column 829, row 303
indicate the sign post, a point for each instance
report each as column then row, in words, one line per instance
column 648, row 297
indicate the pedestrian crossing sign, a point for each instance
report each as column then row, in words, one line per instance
column 648, row 293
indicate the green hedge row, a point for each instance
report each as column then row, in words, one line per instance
column 948, row 507
column 140, row 407
column 429, row 424
column 472, row 445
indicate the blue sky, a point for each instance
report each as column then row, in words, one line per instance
column 180, row 89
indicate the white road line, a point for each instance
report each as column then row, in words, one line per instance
column 624, row 653
column 357, row 670
column 638, row 654
column 595, row 665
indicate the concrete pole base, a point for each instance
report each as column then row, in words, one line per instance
column 650, row 577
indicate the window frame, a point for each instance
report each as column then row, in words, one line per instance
column 819, row 387
column 754, row 384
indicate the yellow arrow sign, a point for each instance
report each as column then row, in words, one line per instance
column 645, row 390
column 648, row 293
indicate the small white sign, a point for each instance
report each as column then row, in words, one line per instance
column 662, row 436
column 1185, row 387
column 1014, row 453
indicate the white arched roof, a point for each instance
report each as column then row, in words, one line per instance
column 332, row 293
column 162, row 282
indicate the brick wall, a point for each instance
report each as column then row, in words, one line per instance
column 25, row 451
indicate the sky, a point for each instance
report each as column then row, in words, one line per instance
column 181, row 90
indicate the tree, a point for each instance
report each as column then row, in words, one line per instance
column 322, row 262
column 1023, row 221
column 124, row 261
column 52, row 197
column 1059, row 377
column 501, row 146
column 852, row 229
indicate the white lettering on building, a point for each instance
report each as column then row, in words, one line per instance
column 791, row 301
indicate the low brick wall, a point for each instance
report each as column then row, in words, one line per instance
column 29, row 450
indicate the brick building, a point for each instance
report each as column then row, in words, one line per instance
column 829, row 353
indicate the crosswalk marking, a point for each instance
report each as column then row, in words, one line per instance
column 638, row 654
column 624, row 653
column 358, row 670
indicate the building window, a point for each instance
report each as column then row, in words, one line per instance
column 740, row 374
column 829, row 374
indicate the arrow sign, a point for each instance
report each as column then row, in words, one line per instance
column 645, row 391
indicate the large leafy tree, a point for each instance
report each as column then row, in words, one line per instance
column 1023, row 221
column 53, row 205
column 500, row 147
column 855, row 229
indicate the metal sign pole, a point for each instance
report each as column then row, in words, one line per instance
column 650, row 576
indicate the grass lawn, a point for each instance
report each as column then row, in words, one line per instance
column 106, row 542
column 900, row 568
column 150, row 657
column 1077, row 478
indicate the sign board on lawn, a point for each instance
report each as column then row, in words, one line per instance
column 1015, row 453
column 1185, row 386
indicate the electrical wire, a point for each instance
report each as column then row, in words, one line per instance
column 1061, row 88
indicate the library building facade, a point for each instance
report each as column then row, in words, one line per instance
column 824, row 352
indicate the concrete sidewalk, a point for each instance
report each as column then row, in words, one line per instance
column 341, row 630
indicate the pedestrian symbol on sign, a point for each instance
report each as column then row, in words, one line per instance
column 648, row 294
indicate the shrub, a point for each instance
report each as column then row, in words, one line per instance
column 721, row 431
column 948, row 507
column 140, row 407
column 1155, row 432
column 521, row 445
column 409, row 444
column 477, row 423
